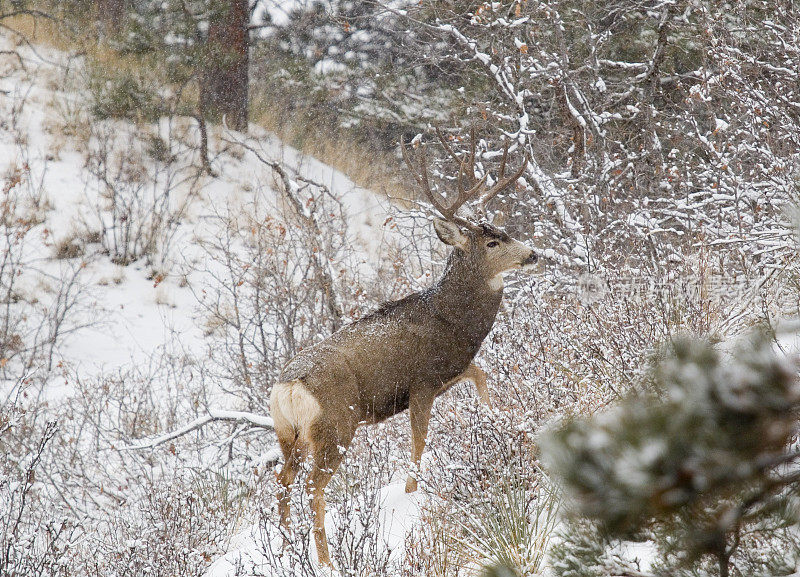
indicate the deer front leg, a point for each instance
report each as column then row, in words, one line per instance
column 478, row 376
column 420, row 414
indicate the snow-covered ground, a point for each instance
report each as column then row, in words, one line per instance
column 128, row 312
column 138, row 314
column 399, row 512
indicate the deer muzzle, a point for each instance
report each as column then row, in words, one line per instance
column 530, row 260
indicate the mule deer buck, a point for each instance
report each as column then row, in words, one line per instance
column 404, row 354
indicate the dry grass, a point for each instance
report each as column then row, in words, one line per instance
column 375, row 170
column 43, row 32
column 51, row 33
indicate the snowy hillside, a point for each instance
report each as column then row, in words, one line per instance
column 137, row 314
column 120, row 317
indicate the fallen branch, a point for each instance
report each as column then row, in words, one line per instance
column 213, row 415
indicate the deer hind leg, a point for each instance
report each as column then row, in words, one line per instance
column 292, row 408
column 327, row 445
column 292, row 450
column 420, row 413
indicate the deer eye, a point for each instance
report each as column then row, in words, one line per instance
column 492, row 244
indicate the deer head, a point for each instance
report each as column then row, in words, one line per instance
column 488, row 249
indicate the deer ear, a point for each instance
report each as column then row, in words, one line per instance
column 450, row 233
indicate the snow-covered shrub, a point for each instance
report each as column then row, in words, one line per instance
column 140, row 189
column 19, row 203
column 653, row 132
column 509, row 526
column 360, row 544
column 35, row 540
column 117, row 407
column 700, row 463
column 170, row 530
column 284, row 552
column 283, row 275
column 553, row 349
column 492, row 504
column 166, row 511
column 40, row 304
column 431, row 548
column 355, row 494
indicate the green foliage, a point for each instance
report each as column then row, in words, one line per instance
column 699, row 463
column 122, row 94
column 580, row 551
column 511, row 529
column 658, row 452
column 145, row 72
column 355, row 66
column 158, row 149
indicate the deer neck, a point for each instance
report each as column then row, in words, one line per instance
column 465, row 299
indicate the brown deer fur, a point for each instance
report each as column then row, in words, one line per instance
column 401, row 356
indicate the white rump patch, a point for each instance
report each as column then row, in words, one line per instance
column 496, row 282
column 293, row 408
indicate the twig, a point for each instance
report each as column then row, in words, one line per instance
column 201, row 124
column 318, row 261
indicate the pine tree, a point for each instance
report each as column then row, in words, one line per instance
column 194, row 47
column 700, row 464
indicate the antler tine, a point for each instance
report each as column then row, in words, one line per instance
column 472, row 146
column 446, row 145
column 501, row 181
column 465, row 195
column 502, row 171
column 491, row 193
column 449, row 212
column 420, row 174
column 465, row 166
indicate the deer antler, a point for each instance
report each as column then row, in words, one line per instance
column 502, row 182
column 420, row 174
column 466, row 172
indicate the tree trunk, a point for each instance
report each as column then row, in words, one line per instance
column 223, row 82
column 110, row 15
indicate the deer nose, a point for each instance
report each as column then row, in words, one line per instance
column 531, row 259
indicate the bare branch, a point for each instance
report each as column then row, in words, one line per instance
column 252, row 419
column 318, row 261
